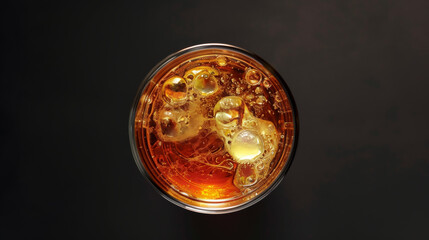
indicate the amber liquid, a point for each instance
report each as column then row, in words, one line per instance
column 213, row 127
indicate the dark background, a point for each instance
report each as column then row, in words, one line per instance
column 358, row 71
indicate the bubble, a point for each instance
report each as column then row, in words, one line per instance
column 221, row 61
column 238, row 91
column 175, row 89
column 162, row 161
column 288, row 125
column 205, row 83
column 249, row 97
column 266, row 83
column 261, row 100
column 246, row 146
column 278, row 98
column 258, row 90
column 253, row 76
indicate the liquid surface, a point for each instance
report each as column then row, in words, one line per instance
column 215, row 127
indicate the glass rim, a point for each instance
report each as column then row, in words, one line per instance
column 131, row 128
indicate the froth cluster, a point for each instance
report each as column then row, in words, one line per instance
column 252, row 142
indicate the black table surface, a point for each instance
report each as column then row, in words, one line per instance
column 358, row 71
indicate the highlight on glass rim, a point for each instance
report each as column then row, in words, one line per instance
column 214, row 128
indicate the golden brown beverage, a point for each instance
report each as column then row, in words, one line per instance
column 214, row 128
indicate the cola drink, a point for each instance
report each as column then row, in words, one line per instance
column 214, row 128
